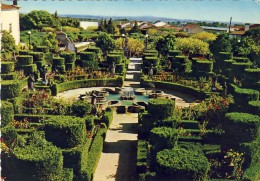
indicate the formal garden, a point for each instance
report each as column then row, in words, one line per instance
column 47, row 138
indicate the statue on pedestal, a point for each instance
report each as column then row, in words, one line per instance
column 31, row 82
column 151, row 71
column 113, row 68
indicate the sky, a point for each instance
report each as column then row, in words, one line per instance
column 247, row 11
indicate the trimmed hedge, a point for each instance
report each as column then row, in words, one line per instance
column 10, row 76
column 120, row 68
column 238, row 69
column 189, row 124
column 88, row 56
column 94, row 49
column 161, row 108
column 252, row 173
column 69, row 66
column 181, row 64
column 80, row 108
column 37, row 56
column 76, row 157
column 10, row 89
column 65, row 131
column 69, row 57
column 107, row 118
column 163, row 137
column 57, row 88
column 203, row 66
column 29, row 69
column 44, row 49
column 151, row 60
column 252, row 76
column 241, row 127
column 174, row 53
column 87, row 173
column 24, row 59
column 7, row 113
column 243, row 96
column 241, row 59
column 36, row 163
column 254, row 107
column 7, row 67
column 67, row 174
column 142, row 154
column 182, row 164
column 56, row 61
column 117, row 59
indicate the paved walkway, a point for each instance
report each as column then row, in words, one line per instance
column 118, row 159
column 133, row 74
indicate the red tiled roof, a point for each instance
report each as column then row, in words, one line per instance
column 5, row 7
column 254, row 26
column 238, row 28
column 190, row 26
column 237, row 32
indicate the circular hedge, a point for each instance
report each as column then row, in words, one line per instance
column 7, row 67
column 37, row 56
column 69, row 57
column 10, row 89
column 117, row 59
column 88, row 56
column 164, row 137
column 25, row 59
column 65, row 131
column 241, row 127
column 58, row 61
column 161, row 108
column 37, row 163
column 182, row 163
column 7, row 113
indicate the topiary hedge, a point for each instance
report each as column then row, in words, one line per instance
column 29, row 69
column 254, row 107
column 94, row 49
column 65, row 131
column 56, row 61
column 10, row 76
column 241, row 59
column 241, row 127
column 203, row 65
column 10, row 89
column 37, row 56
column 107, row 118
column 163, row 137
column 7, row 67
column 24, row 59
column 69, row 57
column 69, row 66
column 174, row 53
column 182, row 164
column 43, row 49
column 252, row 76
column 238, row 69
column 80, row 108
column 117, row 59
column 7, row 113
column 67, row 174
column 161, row 108
column 151, row 60
column 120, row 68
column 243, row 96
column 142, row 156
column 36, row 163
column 88, row 56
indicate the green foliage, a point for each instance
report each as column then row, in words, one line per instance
column 142, row 154
column 110, row 27
column 254, row 107
column 238, row 69
column 37, row 162
column 120, row 68
column 88, row 56
column 164, row 137
column 7, row 67
column 107, row 118
column 182, row 164
column 174, row 53
column 10, row 76
column 81, row 108
column 29, row 69
column 181, row 64
column 24, row 59
column 9, row 135
column 37, row 20
column 165, row 44
column 105, row 43
column 37, row 56
column 241, row 127
column 65, row 131
column 252, row 76
column 135, row 29
column 67, row 174
column 10, row 89
column 7, row 113
column 243, row 96
column 202, row 66
column 221, row 44
column 151, row 60
column 117, row 59
column 252, row 173
column 51, row 42
column 58, row 61
column 72, row 22
column 94, row 49
column 42, row 48
column 8, row 42
column 161, row 108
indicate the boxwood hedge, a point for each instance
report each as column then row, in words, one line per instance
column 117, row 59
column 241, row 59
column 151, row 60
column 241, row 127
column 7, row 67
column 243, row 96
column 254, row 107
column 161, row 108
column 43, row 49
column 88, row 56
column 10, row 76
column 203, row 66
column 7, row 113
column 142, row 154
column 56, row 61
column 37, row 56
column 65, row 131
column 24, row 59
column 81, row 108
column 238, row 69
column 67, row 174
column 174, row 53
column 182, row 164
column 10, row 89
column 69, row 57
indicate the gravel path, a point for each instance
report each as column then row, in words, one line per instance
column 118, row 159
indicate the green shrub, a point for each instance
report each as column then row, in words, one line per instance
column 151, row 51
column 29, row 69
column 120, row 68
column 65, row 131
column 69, row 57
column 181, row 64
column 11, row 76
column 67, row 174
column 204, row 66
column 69, row 66
column 169, row 122
column 238, row 69
column 94, row 49
column 81, row 108
column 182, row 164
column 89, row 64
column 58, row 61
column 7, row 67
column 241, row 59
column 76, row 157
column 107, row 118
column 23, row 52
column 254, row 107
column 37, row 56
column 88, row 56
column 174, row 53
column 95, row 151
column 10, row 89
column 252, row 76
column 189, row 124
column 43, row 49
column 151, row 60
column 252, row 173
column 161, row 108
column 9, row 135
column 36, row 163
column 117, row 59
column 164, row 137
column 241, row 127
column 90, row 122
column 243, row 96
column 7, row 113
column 142, row 153
column 24, row 59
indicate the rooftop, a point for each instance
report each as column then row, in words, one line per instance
column 6, row 7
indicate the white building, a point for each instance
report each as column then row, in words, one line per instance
column 9, row 20
column 160, row 24
column 86, row 24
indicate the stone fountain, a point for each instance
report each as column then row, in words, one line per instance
column 128, row 94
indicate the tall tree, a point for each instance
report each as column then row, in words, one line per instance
column 254, row 34
column 105, row 43
column 56, row 15
column 101, row 26
column 165, row 44
column 8, row 42
column 135, row 46
column 111, row 27
column 50, row 41
column 221, row 44
column 135, row 28
column 105, row 24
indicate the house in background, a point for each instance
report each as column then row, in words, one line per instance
column 86, row 24
column 192, row 28
column 9, row 20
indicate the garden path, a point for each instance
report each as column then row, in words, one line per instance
column 118, row 159
column 133, row 73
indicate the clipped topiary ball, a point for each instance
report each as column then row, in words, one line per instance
column 161, row 108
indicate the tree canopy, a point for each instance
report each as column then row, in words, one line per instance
column 8, row 42
column 221, row 44
column 165, row 44
column 205, row 36
column 135, row 29
column 105, row 43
